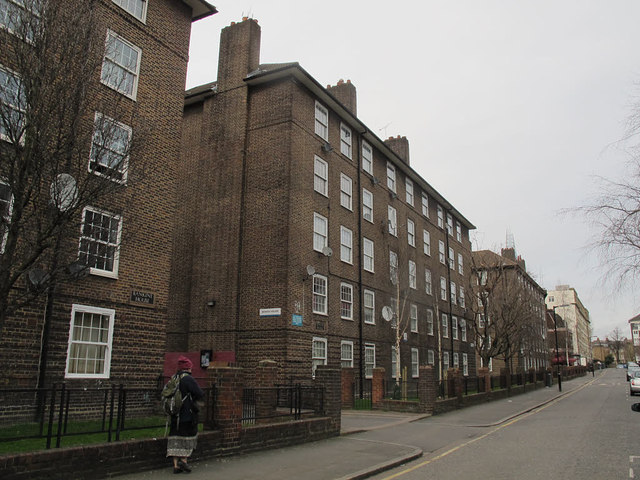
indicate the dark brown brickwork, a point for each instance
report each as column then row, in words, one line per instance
column 148, row 206
column 247, row 173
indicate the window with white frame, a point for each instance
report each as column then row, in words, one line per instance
column 367, row 158
column 394, row 362
column 460, row 264
column 461, row 299
column 413, row 275
column 425, row 205
column 426, row 242
column 431, row 357
column 346, row 301
column 90, row 342
column 110, row 148
column 454, row 327
column 346, row 354
column 440, row 217
column 411, row 232
column 445, row 360
column 17, row 17
column 367, row 249
column 480, row 320
column 369, row 307
column 320, row 176
column 443, row 288
column 391, row 177
column 12, row 106
column 452, row 259
column 100, row 242
column 320, row 229
column 454, row 294
column 367, row 205
column 121, row 65
column 458, row 232
column 456, row 362
column 393, row 266
column 413, row 318
column 322, row 121
column 463, row 330
column 415, row 362
column 441, row 252
column 445, row 325
column 346, row 191
column 319, row 294
column 369, row 359
column 428, row 283
column 6, row 207
column 449, row 224
column 346, row 245
column 137, row 8
column 318, row 353
column 392, row 220
column 465, row 364
column 408, row 184
column 345, row 140
column 429, row 322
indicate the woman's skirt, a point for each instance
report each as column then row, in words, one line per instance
column 183, row 438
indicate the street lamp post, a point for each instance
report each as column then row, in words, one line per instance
column 555, row 329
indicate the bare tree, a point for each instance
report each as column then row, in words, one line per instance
column 64, row 144
column 616, row 342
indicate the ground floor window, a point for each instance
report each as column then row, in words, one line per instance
column 369, row 359
column 318, row 353
column 346, row 354
column 90, row 338
column 414, row 363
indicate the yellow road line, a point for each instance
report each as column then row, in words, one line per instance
column 499, row 427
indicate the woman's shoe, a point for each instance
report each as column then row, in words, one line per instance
column 177, row 470
column 184, row 467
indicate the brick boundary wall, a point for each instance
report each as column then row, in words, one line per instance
column 117, row 458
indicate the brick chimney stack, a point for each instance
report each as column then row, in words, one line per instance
column 345, row 93
column 400, row 146
column 239, row 53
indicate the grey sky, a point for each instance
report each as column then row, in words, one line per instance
column 511, row 107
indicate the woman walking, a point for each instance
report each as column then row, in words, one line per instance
column 183, row 433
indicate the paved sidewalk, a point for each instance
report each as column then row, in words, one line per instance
column 352, row 455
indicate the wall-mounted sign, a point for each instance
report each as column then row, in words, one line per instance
column 270, row 312
column 296, row 320
column 142, row 297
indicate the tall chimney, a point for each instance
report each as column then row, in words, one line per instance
column 345, row 93
column 400, row 146
column 239, row 53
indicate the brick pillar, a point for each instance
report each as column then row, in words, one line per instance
column 505, row 380
column 265, row 380
column 427, row 389
column 229, row 383
column 486, row 376
column 377, row 387
column 348, row 378
column 451, row 382
column 330, row 379
column 457, row 384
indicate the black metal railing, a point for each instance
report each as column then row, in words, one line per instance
column 401, row 389
column 281, row 402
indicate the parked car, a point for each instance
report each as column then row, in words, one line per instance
column 634, row 384
column 631, row 370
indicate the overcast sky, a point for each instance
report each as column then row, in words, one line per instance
column 512, row 108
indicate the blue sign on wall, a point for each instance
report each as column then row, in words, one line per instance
column 296, row 320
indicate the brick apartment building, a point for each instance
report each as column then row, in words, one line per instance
column 516, row 303
column 295, row 217
column 109, row 326
column 575, row 317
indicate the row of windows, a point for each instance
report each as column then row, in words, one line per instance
column 319, row 357
column 321, row 175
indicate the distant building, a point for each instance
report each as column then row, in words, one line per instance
column 568, row 306
column 634, row 326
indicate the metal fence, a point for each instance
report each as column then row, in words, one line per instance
column 59, row 411
column 284, row 402
column 401, row 390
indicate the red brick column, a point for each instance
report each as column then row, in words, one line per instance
column 377, row 387
column 427, row 389
column 505, row 373
column 483, row 373
column 348, row 377
column 229, row 383
column 330, row 379
column 451, row 382
column 265, row 380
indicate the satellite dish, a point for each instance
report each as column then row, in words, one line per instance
column 37, row 277
column 64, row 192
column 311, row 270
column 387, row 313
column 327, row 252
column 78, row 270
